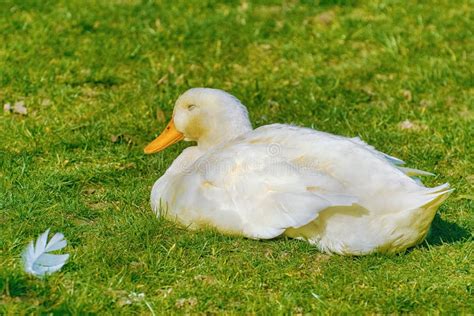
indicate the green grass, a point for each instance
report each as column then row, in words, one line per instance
column 88, row 70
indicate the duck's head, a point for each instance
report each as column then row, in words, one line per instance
column 207, row 116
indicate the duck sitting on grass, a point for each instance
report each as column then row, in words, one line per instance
column 337, row 193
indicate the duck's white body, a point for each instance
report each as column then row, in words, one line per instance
column 336, row 192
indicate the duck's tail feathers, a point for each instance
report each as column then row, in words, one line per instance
column 428, row 198
column 439, row 194
column 426, row 213
column 414, row 172
column 411, row 229
column 393, row 160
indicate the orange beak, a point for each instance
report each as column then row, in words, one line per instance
column 168, row 137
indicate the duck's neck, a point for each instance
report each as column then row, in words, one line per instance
column 219, row 133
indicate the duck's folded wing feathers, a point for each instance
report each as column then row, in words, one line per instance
column 267, row 194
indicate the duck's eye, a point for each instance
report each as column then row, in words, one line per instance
column 191, row 107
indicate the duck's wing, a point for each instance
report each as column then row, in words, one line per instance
column 378, row 181
column 249, row 188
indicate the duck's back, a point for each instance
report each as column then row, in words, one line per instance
column 378, row 180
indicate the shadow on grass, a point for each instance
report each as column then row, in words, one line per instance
column 443, row 232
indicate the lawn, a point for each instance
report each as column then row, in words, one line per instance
column 99, row 80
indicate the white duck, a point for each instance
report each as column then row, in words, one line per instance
column 337, row 193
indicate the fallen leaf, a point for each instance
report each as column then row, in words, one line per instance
column 166, row 292
column 19, row 108
column 123, row 301
column 136, row 297
column 179, row 80
column 89, row 92
column 298, row 311
column 7, row 107
column 206, row 279
column 160, row 115
column 116, row 293
column 409, row 125
column 114, row 138
column 162, row 80
column 97, row 205
column 46, row 102
column 368, row 90
column 385, row 77
column 244, row 5
column 325, row 18
column 406, row 124
column 274, row 106
column 407, row 95
column 425, row 103
column 121, row 138
column 268, row 254
column 185, row 302
column 123, row 298
column 466, row 114
column 126, row 166
column 137, row 266
column 89, row 191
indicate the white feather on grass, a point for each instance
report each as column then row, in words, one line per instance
column 37, row 259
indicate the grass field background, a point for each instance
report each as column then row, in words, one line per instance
column 99, row 80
